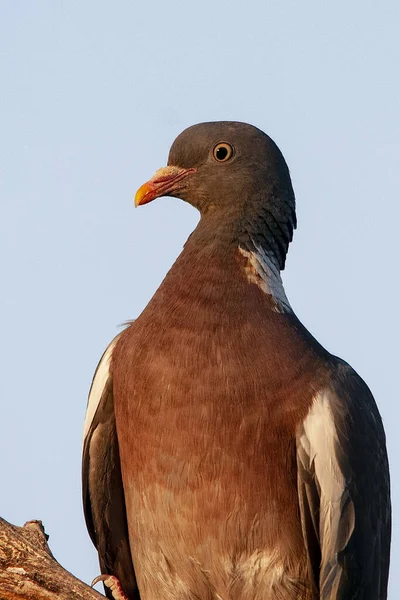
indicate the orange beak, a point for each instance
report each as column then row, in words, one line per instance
column 165, row 182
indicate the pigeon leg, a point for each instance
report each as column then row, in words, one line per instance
column 113, row 585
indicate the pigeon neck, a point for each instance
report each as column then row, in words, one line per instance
column 216, row 238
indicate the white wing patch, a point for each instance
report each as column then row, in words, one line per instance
column 319, row 442
column 99, row 382
column 262, row 271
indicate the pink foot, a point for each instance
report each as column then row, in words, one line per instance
column 113, row 585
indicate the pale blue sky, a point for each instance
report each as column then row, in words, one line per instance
column 92, row 95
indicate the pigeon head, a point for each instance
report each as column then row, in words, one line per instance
column 236, row 176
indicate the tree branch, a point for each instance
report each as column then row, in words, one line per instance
column 28, row 570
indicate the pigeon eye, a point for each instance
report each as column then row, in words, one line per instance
column 222, row 152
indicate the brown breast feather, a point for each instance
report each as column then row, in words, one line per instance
column 210, row 385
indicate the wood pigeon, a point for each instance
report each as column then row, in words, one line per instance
column 227, row 455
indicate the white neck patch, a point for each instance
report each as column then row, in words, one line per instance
column 262, row 271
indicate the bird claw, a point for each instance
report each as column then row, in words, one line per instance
column 113, row 584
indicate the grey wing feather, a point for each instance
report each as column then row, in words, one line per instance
column 344, row 491
column 103, row 495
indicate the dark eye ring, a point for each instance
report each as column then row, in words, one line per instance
column 222, row 152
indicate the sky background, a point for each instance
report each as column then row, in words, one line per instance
column 92, row 95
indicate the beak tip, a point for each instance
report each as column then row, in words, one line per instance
column 141, row 194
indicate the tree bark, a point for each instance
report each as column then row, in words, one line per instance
column 28, row 570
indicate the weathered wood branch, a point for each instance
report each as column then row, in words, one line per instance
column 28, row 570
